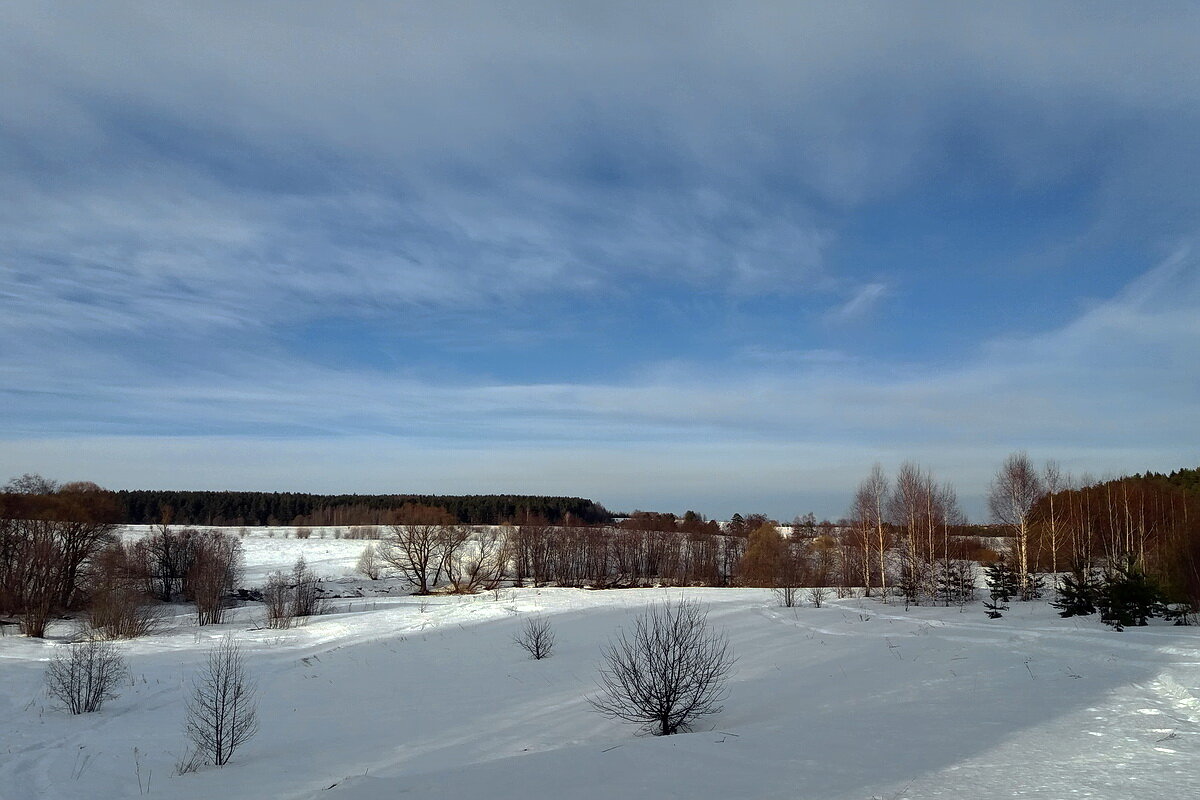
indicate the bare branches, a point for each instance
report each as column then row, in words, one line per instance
column 536, row 638
column 222, row 712
column 369, row 563
column 1015, row 490
column 84, row 675
column 417, row 547
column 288, row 598
column 213, row 575
column 670, row 670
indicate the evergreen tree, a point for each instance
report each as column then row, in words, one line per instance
column 1033, row 586
column 1078, row 593
column 956, row 581
column 1003, row 585
column 1129, row 596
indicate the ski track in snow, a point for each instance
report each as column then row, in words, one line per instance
column 404, row 697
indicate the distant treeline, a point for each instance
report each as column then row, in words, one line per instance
column 147, row 507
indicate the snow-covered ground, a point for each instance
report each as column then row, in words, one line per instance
column 399, row 696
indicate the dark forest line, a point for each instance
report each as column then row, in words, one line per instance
column 147, row 507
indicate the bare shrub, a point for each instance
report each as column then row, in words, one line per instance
column 817, row 595
column 123, row 612
column 214, row 574
column 472, row 568
column 306, row 596
column 166, row 556
column 222, row 712
column 788, row 596
column 85, row 674
column 287, row 597
column 369, row 563
column 303, row 533
column 536, row 638
column 277, row 597
column 121, row 605
column 670, row 670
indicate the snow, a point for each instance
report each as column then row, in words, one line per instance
column 429, row 697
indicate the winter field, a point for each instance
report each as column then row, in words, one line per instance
column 392, row 695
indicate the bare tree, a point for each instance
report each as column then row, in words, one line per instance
column 30, row 483
column 1015, row 490
column 214, row 574
column 470, row 569
column 868, row 510
column 222, row 712
column 417, row 546
column 306, row 595
column 1054, row 482
column 369, row 563
column 791, row 574
column 670, row 670
column 169, row 556
column 277, row 597
column 85, row 674
column 120, row 604
column 536, row 638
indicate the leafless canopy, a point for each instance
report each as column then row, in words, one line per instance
column 222, row 712
column 536, row 638
column 1015, row 490
column 85, row 674
column 668, row 671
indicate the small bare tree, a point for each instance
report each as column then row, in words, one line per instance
column 471, row 568
column 369, row 563
column 85, row 674
column 277, row 597
column 670, row 670
column 120, row 605
column 536, row 638
column 214, row 574
column 222, row 712
column 791, row 574
column 306, row 595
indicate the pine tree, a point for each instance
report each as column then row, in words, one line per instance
column 1129, row 596
column 1078, row 593
column 1002, row 583
column 1033, row 586
column 956, row 581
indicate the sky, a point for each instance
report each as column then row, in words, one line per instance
column 665, row 255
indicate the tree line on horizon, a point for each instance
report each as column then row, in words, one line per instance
column 231, row 508
column 904, row 537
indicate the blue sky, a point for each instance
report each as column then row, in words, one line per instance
column 666, row 255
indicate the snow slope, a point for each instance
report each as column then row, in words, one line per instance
column 853, row 700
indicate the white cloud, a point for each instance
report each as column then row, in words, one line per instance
column 1113, row 390
column 860, row 304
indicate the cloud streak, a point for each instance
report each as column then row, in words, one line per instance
column 600, row 235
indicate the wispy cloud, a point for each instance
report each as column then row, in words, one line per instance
column 860, row 304
column 594, row 239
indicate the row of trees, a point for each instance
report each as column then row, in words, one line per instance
column 49, row 535
column 1151, row 520
column 60, row 553
column 295, row 508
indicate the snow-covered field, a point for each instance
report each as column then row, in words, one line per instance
column 397, row 696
